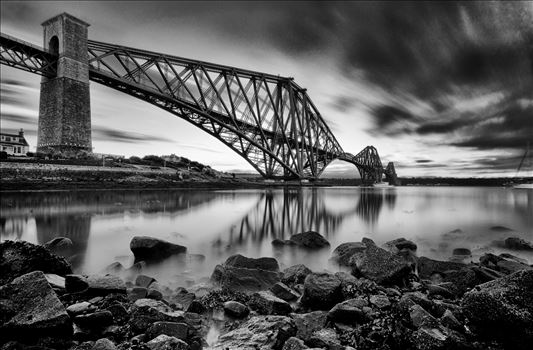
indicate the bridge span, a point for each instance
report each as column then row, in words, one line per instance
column 268, row 120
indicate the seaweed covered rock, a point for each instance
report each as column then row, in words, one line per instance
column 379, row 265
column 503, row 309
column 259, row 332
column 19, row 258
column 29, row 307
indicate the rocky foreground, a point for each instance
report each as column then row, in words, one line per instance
column 386, row 298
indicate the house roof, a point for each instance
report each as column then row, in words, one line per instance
column 19, row 143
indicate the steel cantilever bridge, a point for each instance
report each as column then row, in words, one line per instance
column 267, row 119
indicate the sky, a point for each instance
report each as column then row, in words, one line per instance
column 439, row 88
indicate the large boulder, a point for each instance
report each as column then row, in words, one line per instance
column 19, row 258
column 379, row 265
column 246, row 274
column 503, row 309
column 152, row 249
column 259, row 332
column 310, row 240
column 30, row 308
column 321, row 291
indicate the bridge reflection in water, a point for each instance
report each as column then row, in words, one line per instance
column 93, row 218
column 281, row 213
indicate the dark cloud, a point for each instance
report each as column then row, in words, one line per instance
column 107, row 134
column 421, row 161
column 387, row 115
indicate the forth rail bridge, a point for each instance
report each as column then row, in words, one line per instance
column 268, row 120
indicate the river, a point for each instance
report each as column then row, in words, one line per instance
column 219, row 223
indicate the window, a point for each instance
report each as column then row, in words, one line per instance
column 8, row 138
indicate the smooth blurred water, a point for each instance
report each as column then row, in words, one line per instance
column 218, row 224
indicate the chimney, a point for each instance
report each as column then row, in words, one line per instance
column 21, row 133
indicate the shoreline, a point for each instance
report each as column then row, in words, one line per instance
column 389, row 298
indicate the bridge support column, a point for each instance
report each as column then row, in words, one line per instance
column 64, row 106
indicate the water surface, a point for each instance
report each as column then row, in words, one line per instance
column 218, row 224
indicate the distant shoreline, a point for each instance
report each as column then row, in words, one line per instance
column 52, row 177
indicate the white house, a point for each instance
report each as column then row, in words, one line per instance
column 14, row 144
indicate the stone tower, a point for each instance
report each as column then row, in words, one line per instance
column 64, row 106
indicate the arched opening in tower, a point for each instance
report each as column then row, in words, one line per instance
column 53, row 46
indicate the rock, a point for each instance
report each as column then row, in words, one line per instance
column 30, row 308
column 512, row 257
column 105, row 284
column 503, row 309
column 164, row 342
column 55, row 281
column 295, row 274
column 342, row 254
column 325, row 338
column 294, row 343
column 244, row 279
column 196, row 307
column 236, row 309
column 154, row 294
column 80, row 308
column 144, row 312
column 462, row 252
column 429, row 339
column 504, row 263
column 450, row 321
column 321, row 291
column 59, row 245
column 435, row 289
column 119, row 312
column 282, row 291
column 144, row 281
column 240, row 261
column 115, row 268
column 429, row 267
column 516, row 243
column 380, row 301
column 421, row 318
column 308, row 323
column 95, row 320
column 19, row 258
column 310, row 240
column 350, row 312
column 266, row 303
column 173, row 329
column 396, row 245
column 104, row 344
column 136, row 293
column 183, row 297
column 152, row 249
column 379, row 265
column 76, row 283
column 282, row 242
column 259, row 332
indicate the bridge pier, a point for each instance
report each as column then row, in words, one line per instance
column 64, row 105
